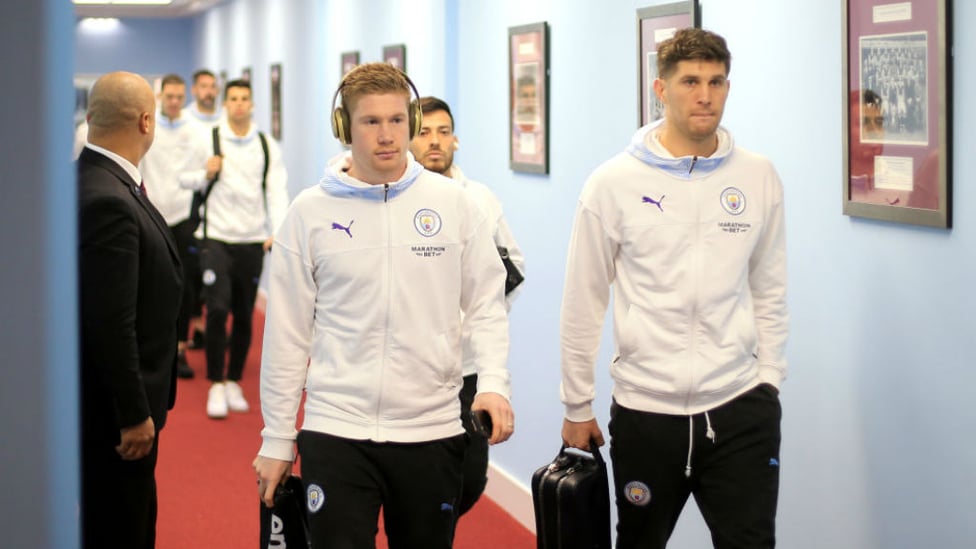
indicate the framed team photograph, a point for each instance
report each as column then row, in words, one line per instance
column 897, row 114
column 528, row 84
column 396, row 55
column 276, row 101
column 348, row 61
column 654, row 25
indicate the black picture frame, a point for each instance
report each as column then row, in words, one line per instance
column 275, row 73
column 528, row 84
column 654, row 25
column 897, row 111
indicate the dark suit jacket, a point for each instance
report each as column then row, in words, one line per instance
column 130, row 292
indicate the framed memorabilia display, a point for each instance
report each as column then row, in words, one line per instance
column 897, row 115
column 348, row 61
column 83, row 84
column 276, row 101
column 654, row 25
column 528, row 85
column 396, row 55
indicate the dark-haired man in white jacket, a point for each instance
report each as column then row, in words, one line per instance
column 688, row 229
column 434, row 147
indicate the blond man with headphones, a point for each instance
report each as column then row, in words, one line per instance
column 368, row 272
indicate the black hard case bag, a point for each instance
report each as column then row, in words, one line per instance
column 571, row 496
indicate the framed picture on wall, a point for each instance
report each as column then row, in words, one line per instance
column 348, row 61
column 246, row 74
column 82, row 84
column 897, row 113
column 654, row 25
column 528, row 84
column 396, row 55
column 276, row 101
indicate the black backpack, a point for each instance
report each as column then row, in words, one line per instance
column 198, row 207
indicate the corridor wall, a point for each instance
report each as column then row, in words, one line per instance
column 876, row 406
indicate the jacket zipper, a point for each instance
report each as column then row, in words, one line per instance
column 389, row 291
column 696, row 289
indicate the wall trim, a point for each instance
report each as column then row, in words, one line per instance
column 511, row 495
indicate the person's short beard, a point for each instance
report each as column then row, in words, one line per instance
column 446, row 171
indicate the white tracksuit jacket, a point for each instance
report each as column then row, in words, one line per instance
column 238, row 210
column 695, row 250
column 166, row 160
column 502, row 236
column 368, row 281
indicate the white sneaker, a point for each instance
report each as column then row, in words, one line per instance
column 235, row 398
column 217, row 401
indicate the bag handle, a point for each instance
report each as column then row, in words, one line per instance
column 594, row 450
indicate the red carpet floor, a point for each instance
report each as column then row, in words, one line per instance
column 207, row 494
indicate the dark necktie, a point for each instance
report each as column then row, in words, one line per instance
column 142, row 188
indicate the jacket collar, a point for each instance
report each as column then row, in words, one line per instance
column 646, row 147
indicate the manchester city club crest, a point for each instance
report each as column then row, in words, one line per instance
column 315, row 497
column 733, row 201
column 209, row 277
column 637, row 493
column 427, row 222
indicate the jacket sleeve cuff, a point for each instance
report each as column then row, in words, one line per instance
column 579, row 412
column 277, row 448
column 771, row 374
column 133, row 408
column 491, row 384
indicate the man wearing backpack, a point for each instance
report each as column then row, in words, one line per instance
column 244, row 181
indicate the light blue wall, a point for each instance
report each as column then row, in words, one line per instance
column 140, row 45
column 308, row 37
column 876, row 448
column 881, row 351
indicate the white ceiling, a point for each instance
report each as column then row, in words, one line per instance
column 178, row 8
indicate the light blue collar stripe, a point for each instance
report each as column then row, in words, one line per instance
column 240, row 140
column 678, row 167
column 334, row 185
column 684, row 167
column 165, row 122
column 204, row 116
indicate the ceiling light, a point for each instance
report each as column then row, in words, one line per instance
column 125, row 2
column 99, row 24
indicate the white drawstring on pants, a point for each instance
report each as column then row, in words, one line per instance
column 709, row 434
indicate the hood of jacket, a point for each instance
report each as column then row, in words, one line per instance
column 337, row 182
column 646, row 147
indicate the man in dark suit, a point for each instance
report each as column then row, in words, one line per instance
column 130, row 288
